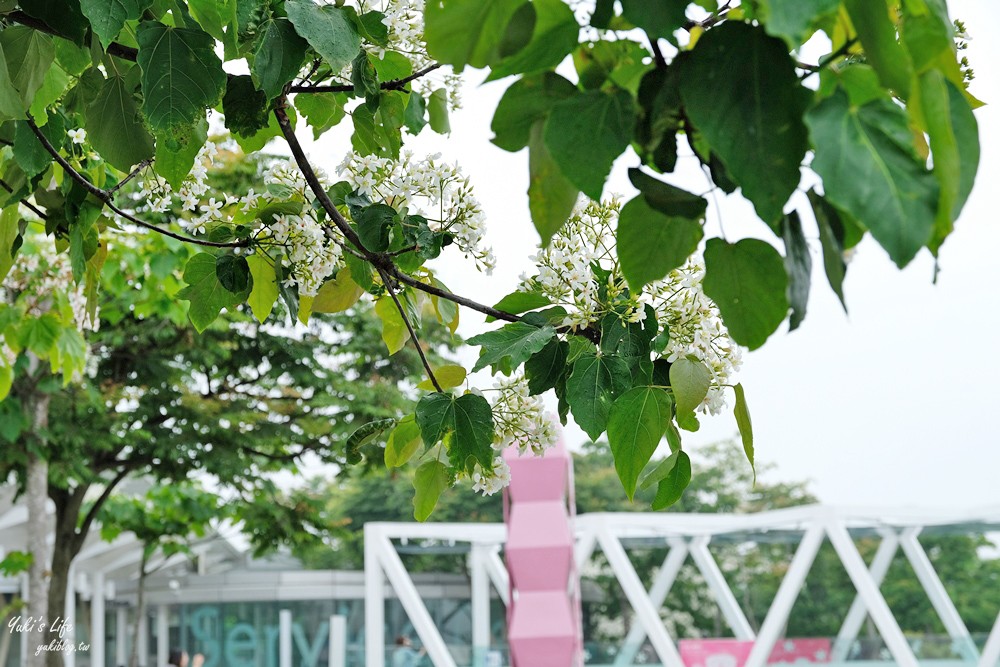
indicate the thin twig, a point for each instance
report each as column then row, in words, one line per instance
column 31, row 207
column 108, row 200
column 654, row 45
column 413, row 334
column 395, row 84
column 135, row 172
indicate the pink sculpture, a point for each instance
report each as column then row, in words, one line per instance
column 544, row 625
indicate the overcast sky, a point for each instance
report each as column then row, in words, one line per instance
column 894, row 404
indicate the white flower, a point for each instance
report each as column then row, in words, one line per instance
column 78, row 136
column 490, row 482
column 519, row 419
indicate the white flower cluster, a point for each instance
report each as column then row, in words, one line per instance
column 405, row 21
column 36, row 276
column 566, row 275
column 519, row 419
column 155, row 193
column 488, row 484
column 313, row 257
column 40, row 273
column 427, row 187
column 696, row 328
column 565, row 267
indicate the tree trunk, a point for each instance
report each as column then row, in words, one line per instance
column 140, row 611
column 36, row 408
column 66, row 545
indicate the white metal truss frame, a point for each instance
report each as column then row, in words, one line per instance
column 690, row 535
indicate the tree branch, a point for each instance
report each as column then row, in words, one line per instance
column 395, row 84
column 114, row 48
column 106, row 197
column 382, row 263
column 413, row 334
column 96, row 507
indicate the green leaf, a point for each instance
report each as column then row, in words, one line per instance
column 114, row 125
column 264, row 294
column 108, row 17
column 29, row 55
column 6, row 382
column 437, row 111
column 214, row 16
column 794, row 20
column 53, row 88
column 365, row 434
column 520, row 302
column 394, row 331
column 429, row 481
column 11, row 105
column 586, row 133
column 876, row 30
column 278, row 57
column 660, row 119
column 465, row 424
column 181, row 75
column 747, row 281
column 954, row 142
column 467, row 32
column 233, row 272
column 511, row 345
column 435, row 416
column 658, row 19
column 245, row 108
column 544, row 368
column 554, row 36
column 339, row 294
column 831, row 238
column 29, row 153
column 364, row 78
column 205, row 292
column 741, row 92
column 528, row 100
column 689, row 381
column 473, row 440
column 176, row 152
column 518, row 33
column 742, row 414
column 798, row 266
column 551, row 198
column 448, row 376
column 673, row 475
column 415, row 114
column 651, row 244
column 10, row 220
column 63, row 16
column 403, row 442
column 327, row 29
column 593, row 385
column 39, row 334
column 321, row 110
column 668, row 199
column 636, row 423
column 374, row 223
column 866, row 158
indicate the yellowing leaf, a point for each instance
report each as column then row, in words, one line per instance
column 265, row 286
column 337, row 295
column 447, row 376
column 394, row 332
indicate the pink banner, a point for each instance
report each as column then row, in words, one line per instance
column 734, row 652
